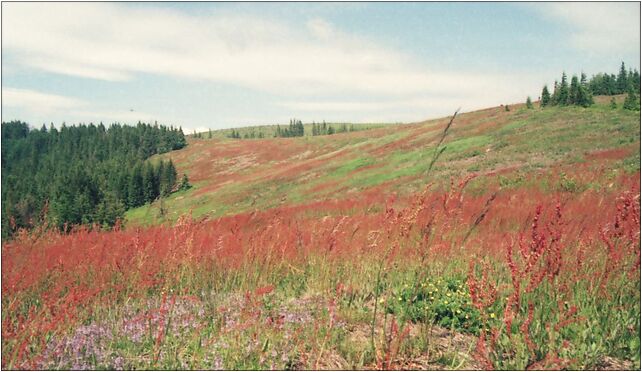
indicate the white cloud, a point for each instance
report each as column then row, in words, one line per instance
column 114, row 42
column 46, row 106
column 603, row 27
column 400, row 109
column 37, row 101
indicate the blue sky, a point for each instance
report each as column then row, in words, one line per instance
column 222, row 65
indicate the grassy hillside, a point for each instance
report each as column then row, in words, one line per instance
column 521, row 250
column 268, row 131
column 231, row 176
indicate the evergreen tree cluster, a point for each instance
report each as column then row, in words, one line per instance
column 145, row 182
column 251, row 134
column 82, row 174
column 610, row 84
column 325, row 129
column 577, row 93
column 295, row 129
column 580, row 91
column 321, row 129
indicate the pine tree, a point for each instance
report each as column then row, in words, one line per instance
column 210, row 134
column 546, row 97
column 184, row 183
column 585, row 98
column 563, row 91
column 149, row 183
column 529, row 103
column 631, row 101
column 555, row 98
column 168, row 178
column 634, row 78
column 622, row 80
column 574, row 92
column 135, row 193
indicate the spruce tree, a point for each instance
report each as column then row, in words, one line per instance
column 546, row 97
column 585, row 96
column 529, row 103
column 135, row 193
column 631, row 101
column 184, row 183
column 634, row 78
column 170, row 172
column 149, row 187
column 613, row 105
column 555, row 98
column 622, row 80
column 563, row 91
column 573, row 92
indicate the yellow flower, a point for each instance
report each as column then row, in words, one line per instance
column 458, row 311
column 446, row 302
column 381, row 301
column 432, row 297
column 399, row 298
column 447, row 294
column 492, row 315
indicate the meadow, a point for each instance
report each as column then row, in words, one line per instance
column 519, row 248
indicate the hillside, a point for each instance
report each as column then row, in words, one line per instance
column 343, row 252
column 231, row 176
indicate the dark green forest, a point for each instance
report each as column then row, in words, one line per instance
column 85, row 174
column 580, row 91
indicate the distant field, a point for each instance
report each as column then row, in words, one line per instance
column 268, row 131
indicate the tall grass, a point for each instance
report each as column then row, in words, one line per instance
column 542, row 280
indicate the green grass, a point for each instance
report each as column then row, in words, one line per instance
column 532, row 139
column 420, row 297
column 269, row 131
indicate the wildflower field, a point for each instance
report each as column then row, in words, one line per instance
column 517, row 248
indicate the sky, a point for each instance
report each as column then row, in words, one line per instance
column 224, row 65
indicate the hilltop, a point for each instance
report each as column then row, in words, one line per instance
column 237, row 175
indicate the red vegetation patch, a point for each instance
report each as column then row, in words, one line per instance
column 612, row 154
column 86, row 268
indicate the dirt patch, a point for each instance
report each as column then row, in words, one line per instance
column 613, row 364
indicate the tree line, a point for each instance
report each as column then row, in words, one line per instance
column 295, row 129
column 84, row 174
column 580, row 91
